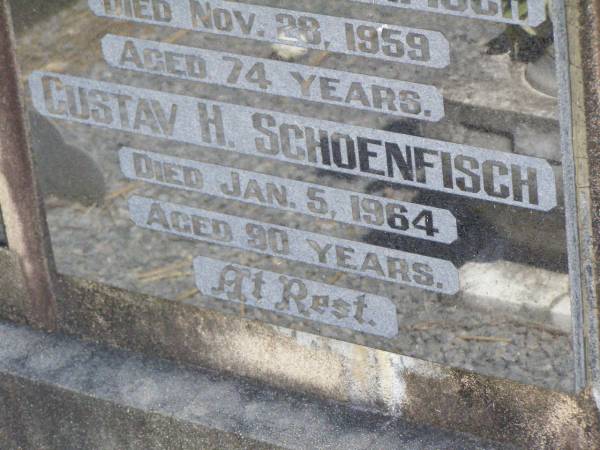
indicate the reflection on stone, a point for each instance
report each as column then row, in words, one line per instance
column 531, row 292
column 64, row 170
column 288, row 52
column 541, row 74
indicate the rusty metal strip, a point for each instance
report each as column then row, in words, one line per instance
column 21, row 203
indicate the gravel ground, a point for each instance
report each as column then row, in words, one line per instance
column 103, row 244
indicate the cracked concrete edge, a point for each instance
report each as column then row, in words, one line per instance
column 57, row 392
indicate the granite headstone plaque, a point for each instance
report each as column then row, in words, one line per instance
column 386, row 172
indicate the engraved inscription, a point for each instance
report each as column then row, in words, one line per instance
column 305, row 299
column 296, row 245
column 442, row 166
column 318, row 201
column 522, row 12
column 274, row 77
column 314, row 31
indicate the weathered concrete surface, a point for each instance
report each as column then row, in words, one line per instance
column 59, row 393
column 295, row 361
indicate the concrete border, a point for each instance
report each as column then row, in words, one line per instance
column 57, row 392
